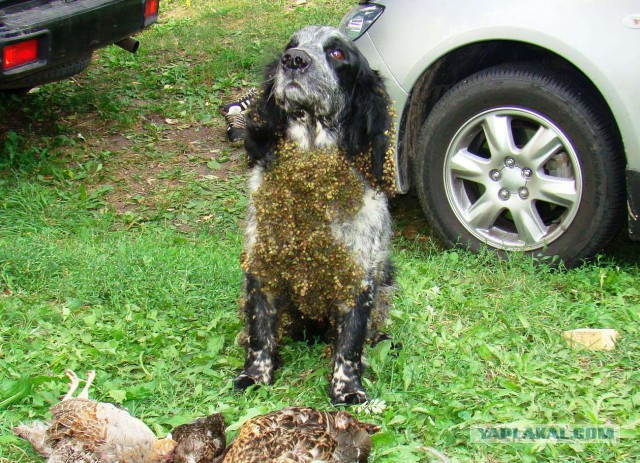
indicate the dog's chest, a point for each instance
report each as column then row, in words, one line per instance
column 303, row 212
column 310, row 133
column 350, row 207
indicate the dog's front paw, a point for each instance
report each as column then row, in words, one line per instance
column 352, row 398
column 378, row 337
column 347, row 392
column 243, row 381
column 258, row 372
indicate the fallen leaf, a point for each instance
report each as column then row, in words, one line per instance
column 594, row 339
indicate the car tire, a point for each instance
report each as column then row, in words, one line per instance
column 518, row 158
column 59, row 72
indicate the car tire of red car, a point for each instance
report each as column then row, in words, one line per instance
column 520, row 158
column 59, row 72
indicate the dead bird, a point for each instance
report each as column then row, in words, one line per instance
column 86, row 431
column 301, row 434
column 199, row 441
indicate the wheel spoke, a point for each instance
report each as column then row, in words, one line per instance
column 513, row 179
column 497, row 130
column 484, row 212
column 557, row 190
column 531, row 228
column 541, row 147
column 468, row 166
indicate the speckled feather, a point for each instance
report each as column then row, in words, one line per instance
column 199, row 441
column 300, row 434
column 78, row 419
column 102, row 429
column 86, row 431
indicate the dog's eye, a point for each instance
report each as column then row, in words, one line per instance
column 338, row 54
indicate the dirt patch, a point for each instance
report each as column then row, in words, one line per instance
column 19, row 113
column 169, row 166
column 117, row 143
column 410, row 222
column 176, row 13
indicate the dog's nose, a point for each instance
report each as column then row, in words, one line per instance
column 295, row 59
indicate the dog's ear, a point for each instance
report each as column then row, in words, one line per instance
column 367, row 121
column 265, row 122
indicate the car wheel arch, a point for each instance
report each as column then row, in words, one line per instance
column 463, row 62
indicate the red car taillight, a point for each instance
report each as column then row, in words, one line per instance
column 19, row 54
column 150, row 9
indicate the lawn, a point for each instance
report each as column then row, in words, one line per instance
column 121, row 207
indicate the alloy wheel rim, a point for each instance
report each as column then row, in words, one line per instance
column 513, row 179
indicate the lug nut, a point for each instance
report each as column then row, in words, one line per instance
column 526, row 173
column 523, row 192
column 509, row 162
column 495, row 175
column 504, row 194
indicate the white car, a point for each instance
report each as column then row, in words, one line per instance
column 518, row 122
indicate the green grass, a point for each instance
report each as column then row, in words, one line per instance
column 120, row 232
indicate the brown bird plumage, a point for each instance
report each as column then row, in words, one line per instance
column 200, row 441
column 301, row 435
column 85, row 431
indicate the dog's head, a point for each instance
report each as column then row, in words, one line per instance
column 322, row 78
column 316, row 71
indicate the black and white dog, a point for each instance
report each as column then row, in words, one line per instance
column 321, row 93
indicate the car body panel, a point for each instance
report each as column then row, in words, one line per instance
column 600, row 39
column 67, row 30
column 397, row 94
column 603, row 41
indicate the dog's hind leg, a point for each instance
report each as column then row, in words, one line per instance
column 351, row 328
column 262, row 322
